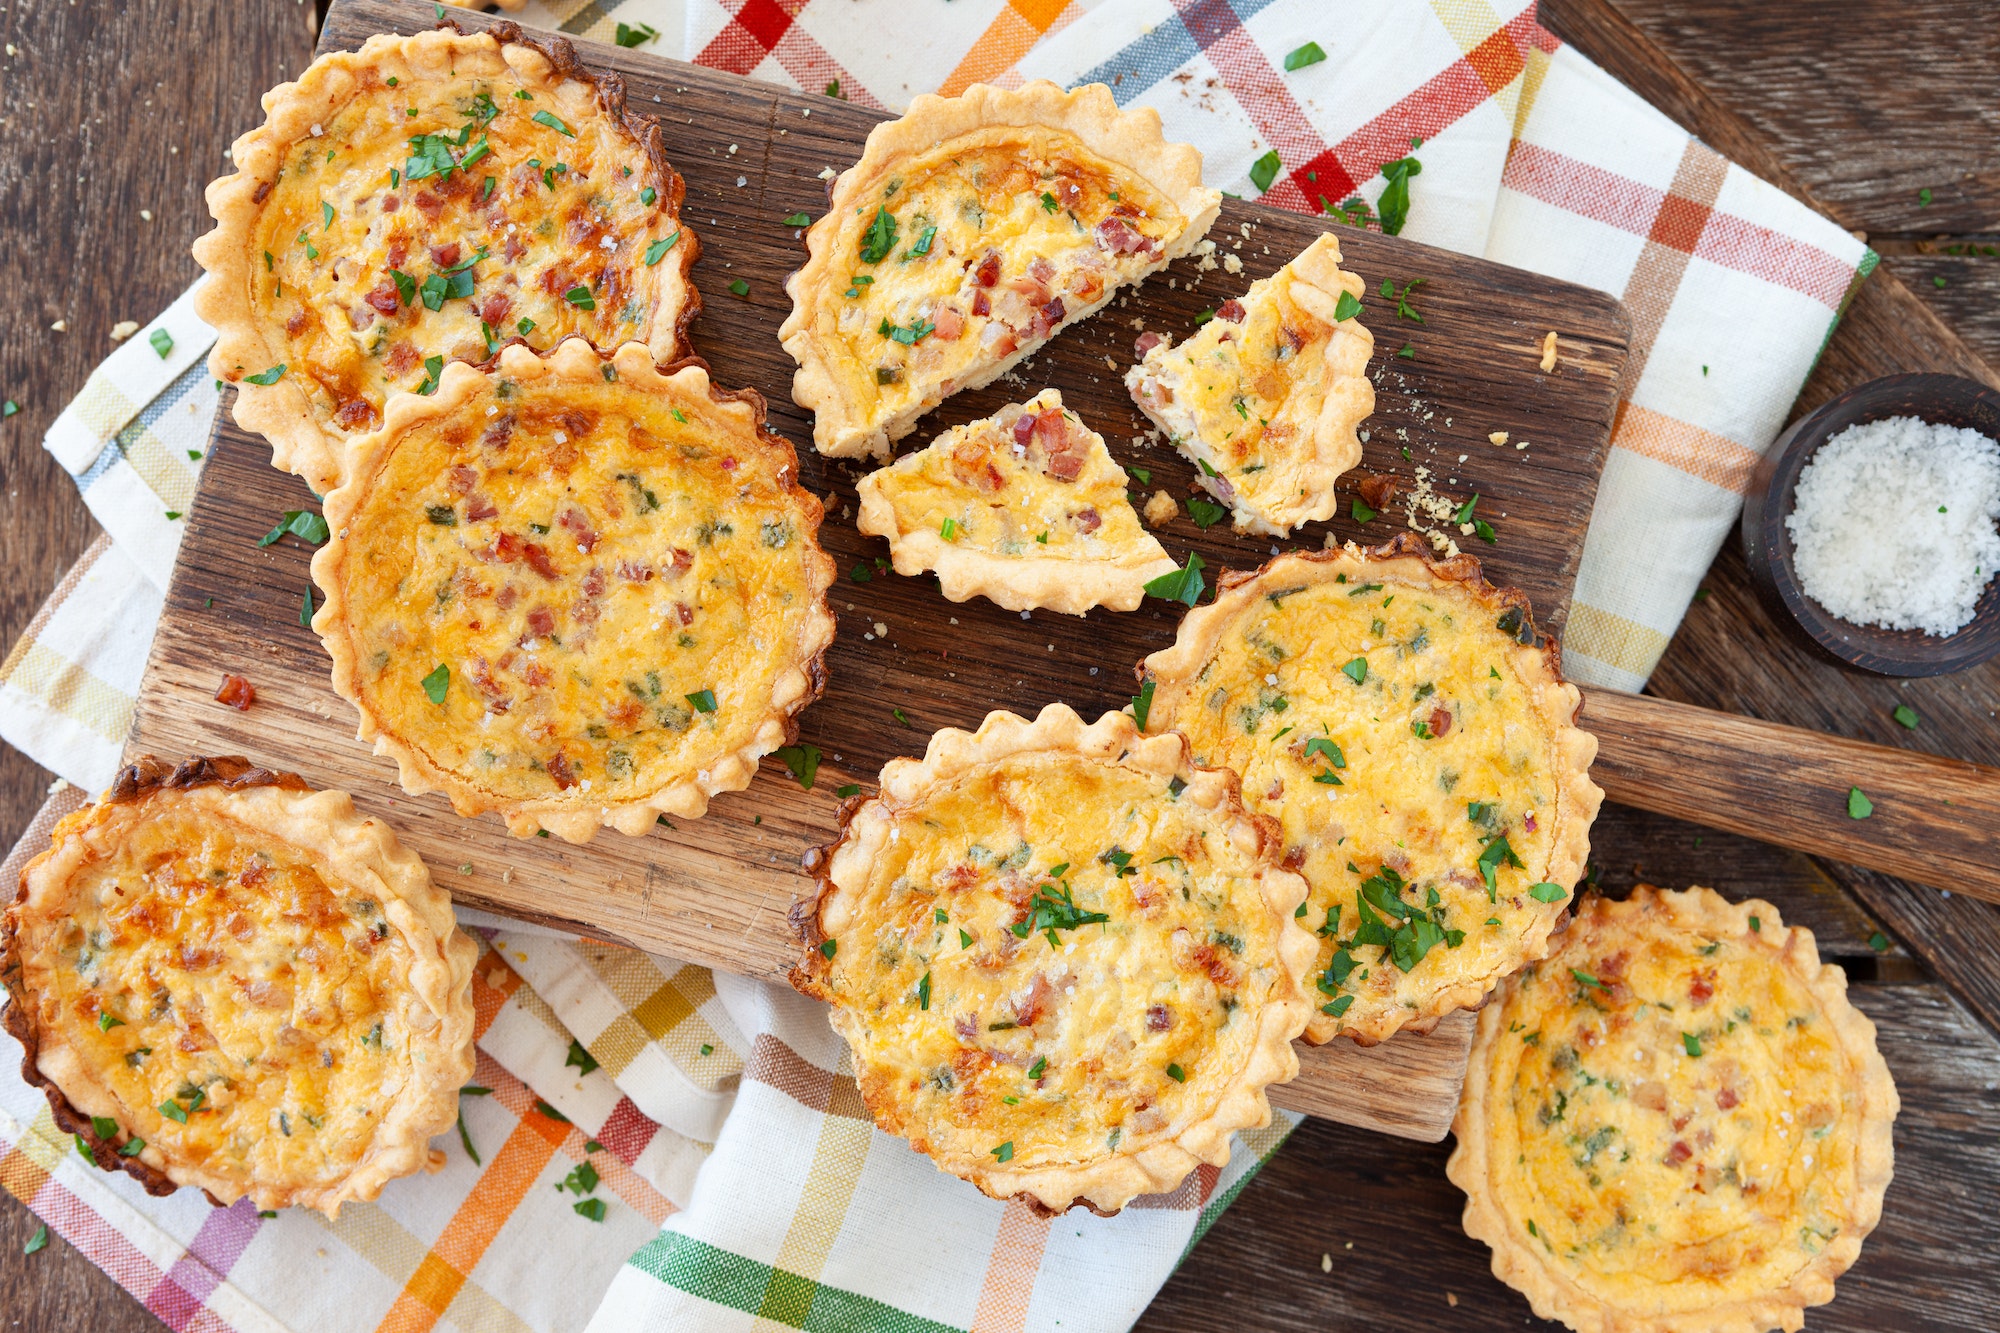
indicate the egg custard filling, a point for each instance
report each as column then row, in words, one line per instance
column 1267, row 397
column 1025, row 508
column 429, row 199
column 1410, row 733
column 1063, row 957
column 971, row 230
column 1676, row 1121
column 576, row 590
column 228, row 980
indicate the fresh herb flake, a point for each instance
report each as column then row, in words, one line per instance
column 1265, row 170
column 437, row 683
column 1299, row 58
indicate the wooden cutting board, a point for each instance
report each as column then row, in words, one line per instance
column 715, row 891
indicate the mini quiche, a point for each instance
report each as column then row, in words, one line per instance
column 1414, row 738
column 1676, row 1123
column 223, row 978
column 1267, row 397
column 1024, row 508
column 575, row 590
column 426, row 199
column 1064, row 958
column 971, row 230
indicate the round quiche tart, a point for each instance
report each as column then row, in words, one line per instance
column 427, row 199
column 1676, row 1123
column 971, row 230
column 1413, row 735
column 1064, row 957
column 223, row 978
column 575, row 589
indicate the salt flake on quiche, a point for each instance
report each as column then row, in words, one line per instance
column 1414, row 738
column 429, row 199
column 1267, row 398
column 576, row 590
column 1676, row 1123
column 1063, row 956
column 971, row 230
column 1024, row 508
column 227, row 980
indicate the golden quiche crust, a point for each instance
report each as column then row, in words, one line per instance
column 348, row 253
column 1677, row 1123
column 225, row 979
column 972, row 230
column 1412, row 734
column 1038, row 512
column 1110, row 969
column 1269, row 395
column 614, row 566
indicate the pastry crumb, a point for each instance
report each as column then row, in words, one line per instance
column 1161, row 508
column 1231, row 264
column 1326, row 1263
column 1498, row 437
column 1451, row 1299
column 1549, row 352
column 124, row 329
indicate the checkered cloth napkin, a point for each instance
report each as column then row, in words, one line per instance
column 715, row 1120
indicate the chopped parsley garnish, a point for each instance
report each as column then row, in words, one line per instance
column 1585, row 979
column 1048, row 202
column 923, row 243
column 437, row 683
column 1691, row 1044
column 1394, row 206
column 1403, row 307
column 1347, row 307
column 433, row 367
column 1202, row 317
column 847, row 789
column 1205, row 513
column 1907, row 716
column 1265, row 170
column 1142, row 703
column 553, row 121
column 1879, row 942
column 1361, row 511
column 1005, row 1152
column 1144, row 476
column 1176, row 1073
column 1546, row 892
column 828, row 948
column 648, row 194
column 106, row 1022
column 880, row 238
column 799, row 220
column 163, row 342
column 301, row 523
column 702, row 701
column 305, row 606
column 581, row 298
column 132, row 1147
column 1858, row 805
column 655, row 252
column 900, row 716
column 1185, row 585
column 103, row 1126
column 1356, row 670
column 580, row 1057
column 1485, row 532
column 174, row 1111
column 38, row 1241
column 268, row 377
column 1408, row 351
column 1464, row 514
column 465, row 1137
column 1052, row 908
column 1041, row 1063
column 833, row 90
column 802, row 760
column 1300, row 57
column 1322, row 745
column 909, row 337
column 406, row 286
column 1491, row 858
column 924, row 992
column 740, row 287
column 631, row 34
column 591, row 1208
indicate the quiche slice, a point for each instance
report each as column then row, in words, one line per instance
column 1677, row 1123
column 1267, row 397
column 575, row 590
column 1413, row 736
column 1063, row 956
column 1024, row 508
column 225, row 979
column 971, row 230
column 428, row 199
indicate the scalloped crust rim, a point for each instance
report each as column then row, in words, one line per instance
column 440, row 976
column 282, row 412
column 1106, row 1185
column 1516, row 1260
column 574, row 820
column 1131, row 139
column 1537, row 662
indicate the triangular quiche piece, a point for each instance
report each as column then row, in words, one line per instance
column 1024, row 508
column 1267, row 397
column 971, row 231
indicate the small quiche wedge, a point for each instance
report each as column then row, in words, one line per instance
column 1064, row 958
column 428, row 199
column 1414, row 738
column 225, row 979
column 971, row 230
column 1676, row 1123
column 1266, row 399
column 575, row 590
column 1024, row 508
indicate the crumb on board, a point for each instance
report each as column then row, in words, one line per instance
column 1326, row 1263
column 1549, row 352
column 1161, row 508
column 124, row 329
column 1498, row 437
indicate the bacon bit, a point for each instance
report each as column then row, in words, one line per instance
column 1651, row 1095
column 507, row 596
column 428, row 204
column 384, row 298
column 1529, row 823
column 1293, row 338
column 354, row 414
column 559, row 770
column 555, row 280
column 1088, row 285
column 1087, row 520
column 1679, row 1153
column 966, row 1026
column 1230, row 310
column 498, row 432
column 460, row 480
column 1295, row 856
column 535, row 675
column 402, row 359
column 541, row 622
column 515, row 248
column 972, row 465
column 594, row 582
column 1702, row 989
column 948, row 323
column 625, row 712
column 633, row 571
column 1121, row 238
column 1158, row 1018
column 684, row 612
column 1218, row 968
column 538, row 560
column 1049, row 316
column 478, row 507
column 399, row 250
column 297, row 323
column 981, row 306
column 577, row 524
column 1277, row 790
column 1680, row 1121
column 263, row 189
column 390, row 203
column 683, row 562
column 1042, row 271
column 729, row 465
column 237, row 692
column 444, row 256
column 1440, row 721
column 1146, row 342
column 988, row 271
column 1024, row 429
column 506, row 548
column 1033, row 1004
column 1725, row 1099
column 958, row 878
column 496, row 309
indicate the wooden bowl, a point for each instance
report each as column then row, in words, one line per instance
column 1943, row 399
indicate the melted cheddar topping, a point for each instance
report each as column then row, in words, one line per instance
column 1671, row 1116
column 1381, row 723
column 974, row 252
column 439, row 219
column 245, row 1014
column 1044, row 490
column 1053, row 960
column 578, row 588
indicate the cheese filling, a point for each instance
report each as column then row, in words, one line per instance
column 1054, row 960
column 437, row 220
column 1674, row 1111
column 245, row 1014
column 578, row 590
column 1382, row 725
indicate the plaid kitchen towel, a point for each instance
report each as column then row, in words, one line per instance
column 726, row 1110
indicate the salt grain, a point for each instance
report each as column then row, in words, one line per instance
column 1893, row 524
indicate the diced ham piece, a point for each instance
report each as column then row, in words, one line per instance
column 1087, row 521
column 1231, row 311
column 498, row 432
column 496, row 309
column 478, row 507
column 390, row 203
column 507, row 596
column 514, row 248
column 354, row 414
column 541, row 622
column 949, row 323
column 684, row 613
column 1042, row 271
column 1440, row 720
column 538, row 560
column 1121, row 238
column 1048, row 317
column 683, row 562
column 428, row 204
column 460, row 480
column 384, row 298
column 1679, row 1153
column 402, row 359
column 1158, row 1018
column 1146, row 342
column 1701, row 991
column 559, row 769
column 237, row 692
column 981, row 306
column 577, row 524
column 988, row 271
column 633, row 571
column 444, row 256
column 1725, row 1099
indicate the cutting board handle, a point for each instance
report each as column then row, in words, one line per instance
column 1935, row 821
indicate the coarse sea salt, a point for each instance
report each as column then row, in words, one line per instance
column 1893, row 524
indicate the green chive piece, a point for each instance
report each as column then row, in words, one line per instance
column 553, row 122
column 658, row 249
column 799, row 220
column 437, row 683
column 1309, row 54
column 1907, row 716
column 740, row 287
column 106, row 1022
column 1361, row 511
column 828, row 949
column 702, row 701
column 1879, row 942
column 163, row 342
column 1858, row 805
column 924, row 992
column 1176, row 1073
column 269, row 377
column 132, row 1147
column 465, row 1137
column 1142, row 703
column 847, row 789
column 1691, row 1044
column 581, row 298
column 901, row 716
column 1356, row 670
column 306, row 609
column 174, row 1111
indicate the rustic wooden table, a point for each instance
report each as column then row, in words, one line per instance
column 109, row 108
